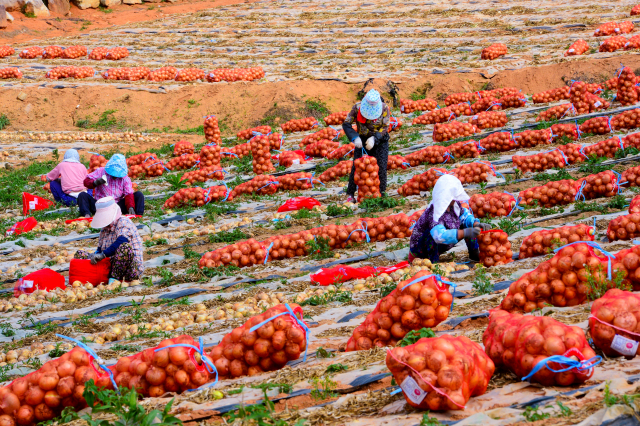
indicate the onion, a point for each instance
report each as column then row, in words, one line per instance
column 25, row 415
column 34, row 396
column 6, row 420
column 10, row 403
column 155, row 376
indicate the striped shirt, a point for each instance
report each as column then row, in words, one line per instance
column 115, row 187
column 123, row 228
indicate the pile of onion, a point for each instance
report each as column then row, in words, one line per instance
column 96, row 161
column 448, row 371
column 555, row 113
column 434, row 154
column 489, row 119
column 183, row 162
column 551, row 95
column 550, row 194
column 162, row 74
column 408, row 106
column 6, row 51
column 498, row 142
column 261, row 185
column 336, row 118
column 464, row 149
column 295, row 181
column 531, row 138
column 10, row 73
column 341, row 152
column 566, row 129
column 212, row 130
column 520, row 342
column 190, row 74
column 322, row 148
column 343, row 168
column 625, row 227
column 366, row 177
column 422, row 182
column 396, row 162
column 327, row 133
column 31, row 52
column 539, row 162
column 611, row 28
column 99, row 53
column 116, row 53
column 261, row 152
column 543, row 242
column 74, row 52
column 244, row 352
column 52, row 52
column 494, row 204
column 452, row 130
column 152, row 373
column 249, row 133
column 235, row 74
column 617, row 313
column 300, row 125
column 494, row 51
column 495, row 248
column 603, row 184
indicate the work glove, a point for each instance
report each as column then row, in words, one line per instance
column 370, row 142
column 357, row 142
column 99, row 182
column 471, row 233
column 132, row 210
column 483, row 226
column 96, row 257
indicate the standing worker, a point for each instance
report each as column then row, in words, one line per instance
column 66, row 179
column 372, row 118
column 445, row 222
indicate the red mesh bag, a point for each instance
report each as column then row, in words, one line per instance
column 465, row 149
column 341, row 152
column 632, row 43
column 539, row 348
column 42, row 395
column 452, row 130
column 627, row 94
column 366, row 177
column 494, row 51
column 47, row 279
column 265, row 342
column 96, row 161
column 343, row 168
column 190, row 74
column 495, row 248
column 513, row 101
column 556, row 112
column 99, row 53
column 552, row 95
column 614, row 323
column 296, row 181
column 254, row 131
column 440, row 373
column 489, row 119
column 422, row 182
column 635, row 10
column 561, row 280
column 336, row 118
column 631, row 177
column 6, row 73
column 183, row 147
column 456, row 98
column 540, row 162
column 31, row 52
column 135, row 160
column 175, row 365
column 626, row 120
column 434, row 154
column 498, row 142
column 612, row 44
column 74, row 52
column 625, row 227
column 6, row 51
column 531, row 138
column 596, row 126
column 579, row 47
column 326, row 133
column 237, row 74
column 289, row 158
column 300, row 125
column 408, row 106
column 603, row 184
column 475, row 172
column 550, row 194
column 494, row 204
column 116, row 53
column 321, row 148
column 397, row 162
column 606, row 148
column 596, row 103
column 261, row 151
column 52, row 52
column 573, row 152
column 627, row 263
column 632, row 140
column 261, row 185
column 461, row 109
column 212, row 130
column 210, row 156
column 421, row 301
column 567, row 129
column 543, row 242
column 163, row 74
column 183, row 162
column 203, row 175
column 486, row 103
column 436, row 116
column 610, row 28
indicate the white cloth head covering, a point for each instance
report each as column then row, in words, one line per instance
column 447, row 189
column 107, row 212
column 71, row 156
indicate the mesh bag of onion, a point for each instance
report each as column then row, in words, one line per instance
column 336, row 118
column 434, row 154
column 634, row 206
column 183, row 147
column 614, row 323
column 296, row 181
column 495, row 204
column 475, row 172
column 321, row 148
column 578, row 47
column 261, row 185
column 343, row 168
column 408, row 106
column 421, row 301
column 261, row 151
column 341, row 152
column 545, row 241
column 397, row 162
column 464, row 149
column 560, row 281
column 627, row 263
column 494, row 51
column 440, row 373
column 183, row 162
column 96, row 161
column 603, row 184
column 539, row 349
column 326, row 133
column 452, row 130
column 541, row 161
column 210, row 156
column 264, row 343
column 300, row 125
column 42, row 395
column 550, row 194
column 289, row 158
column 625, row 227
column 366, row 177
column 203, row 175
column 422, row 182
column 175, row 365
column 498, row 142
column 196, row 197
column 242, row 253
column 495, row 248
column 255, row 131
column 573, row 152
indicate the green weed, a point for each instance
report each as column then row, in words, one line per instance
column 228, row 236
column 372, row 205
column 481, row 283
column 413, row 336
column 319, row 248
column 336, row 368
column 534, row 414
column 4, row 121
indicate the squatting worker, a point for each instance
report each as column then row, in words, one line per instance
column 111, row 181
column 119, row 241
column 372, row 118
column 445, row 222
column 66, row 180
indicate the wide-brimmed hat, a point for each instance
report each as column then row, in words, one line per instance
column 107, row 212
column 117, row 166
column 371, row 105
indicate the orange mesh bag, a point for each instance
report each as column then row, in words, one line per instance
column 614, row 323
column 631, row 177
column 456, row 98
column 494, row 51
column 300, row 125
column 626, row 120
column 212, row 130
column 322, row 148
column 562, row 280
column 558, row 131
column 183, row 162
column 366, row 177
column 421, row 301
column 603, row 184
column 579, row 47
column 265, row 342
column 436, row 116
column 440, row 373
column 486, row 103
column 434, row 154
column 625, row 227
column 175, row 365
column 6, row 51
column 163, row 74
column 117, row 53
column 494, row 204
column 531, row 138
column 596, row 126
column 343, row 168
column 243, row 253
column 52, row 52
column 99, row 53
column 606, row 148
column 261, row 152
column 611, row 28
column 183, row 147
column 296, row 181
column 326, row 133
column 421, row 182
column 74, row 52
column 96, row 161
column 261, row 185
column 578, row 97
column 341, row 152
column 42, row 395
column 550, row 194
column 138, row 159
column 497, row 142
column 203, row 175
column 540, row 162
column 289, row 158
column 210, row 156
column 627, row 263
column 465, row 149
column 336, row 118
column 573, row 152
column 255, row 131
column 489, row 119
column 552, row 95
column 6, row 73
column 612, row 44
column 452, row 130
column 408, row 106
column 627, row 94
column 543, row 242
column 539, row 349
column 556, row 112
column 397, row 162
column 495, row 248
column 189, row 74
column 475, row 172
column 634, row 206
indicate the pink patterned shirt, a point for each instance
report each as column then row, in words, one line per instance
column 117, row 188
